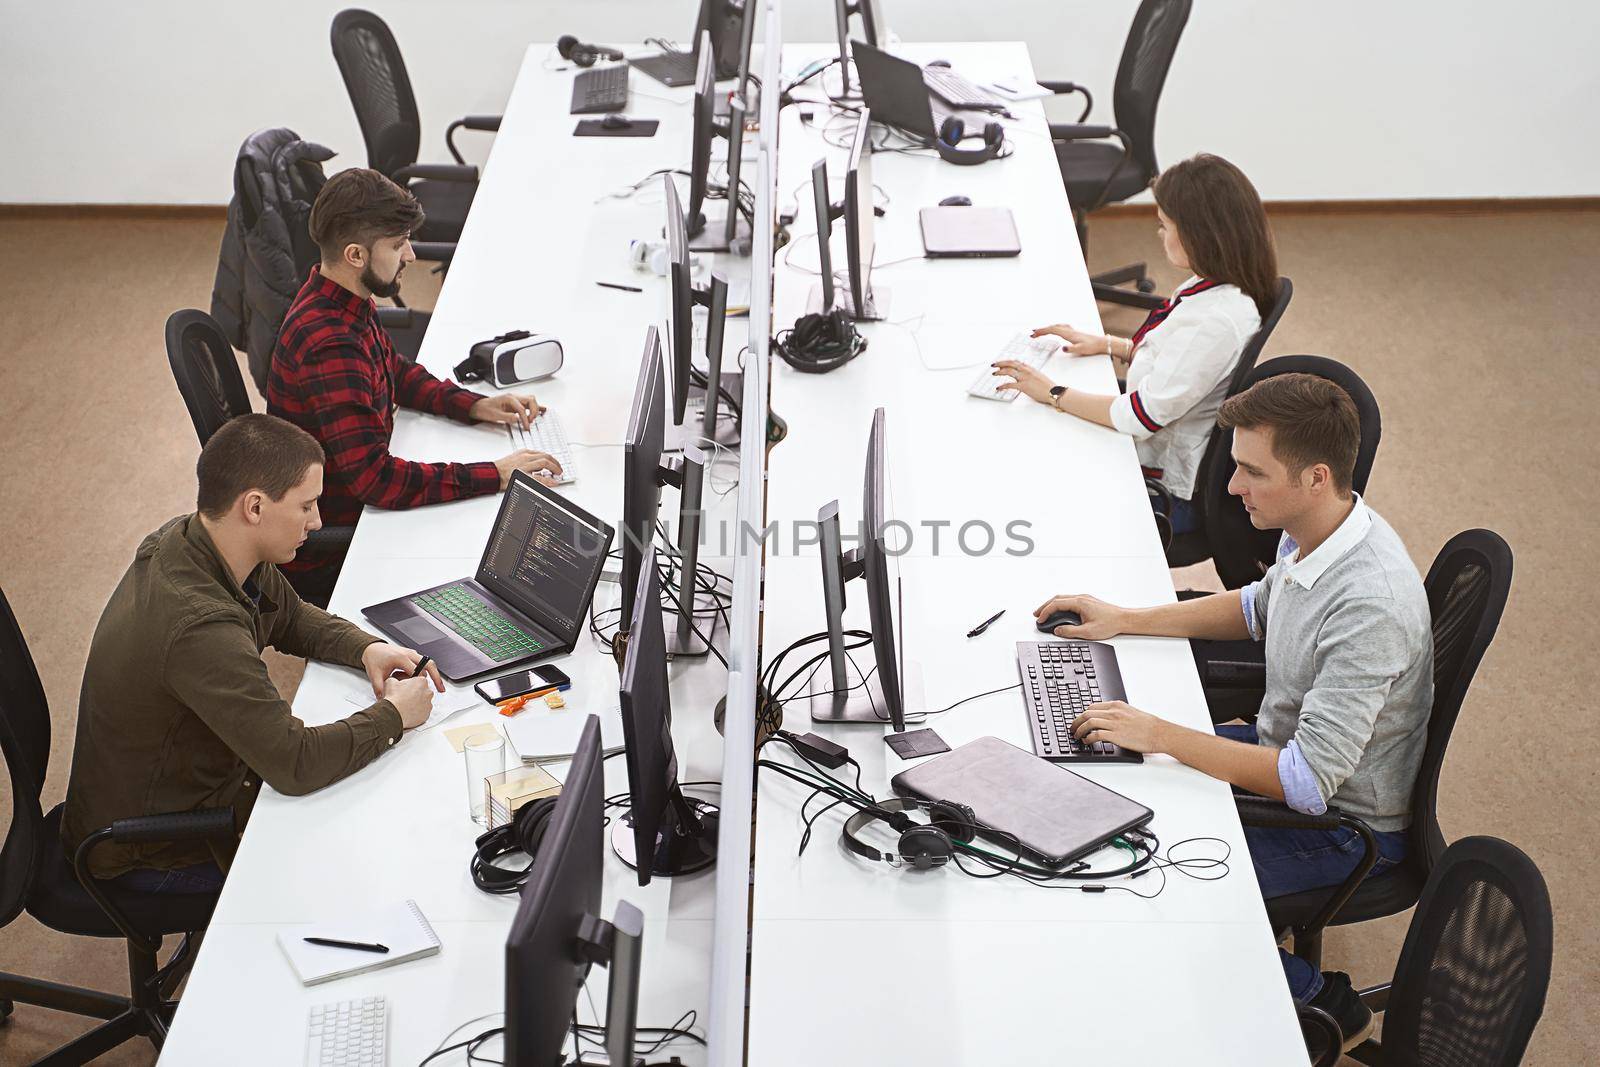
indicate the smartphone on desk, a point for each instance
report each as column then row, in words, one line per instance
column 520, row 683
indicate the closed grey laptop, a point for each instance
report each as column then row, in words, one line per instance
column 1056, row 816
column 969, row 231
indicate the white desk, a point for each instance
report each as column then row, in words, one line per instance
column 933, row 967
column 536, row 242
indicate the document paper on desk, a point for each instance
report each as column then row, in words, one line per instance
column 400, row 928
column 446, row 705
column 541, row 736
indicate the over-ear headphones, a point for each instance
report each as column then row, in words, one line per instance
column 522, row 834
column 581, row 53
column 820, row 342
column 922, row 846
column 954, row 131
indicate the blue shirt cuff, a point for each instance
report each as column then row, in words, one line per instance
column 1247, row 601
column 1300, row 790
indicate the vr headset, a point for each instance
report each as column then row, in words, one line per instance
column 512, row 358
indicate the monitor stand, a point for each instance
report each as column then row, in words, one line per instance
column 691, row 431
column 712, row 237
column 677, row 854
column 864, row 703
column 877, row 300
column 684, row 642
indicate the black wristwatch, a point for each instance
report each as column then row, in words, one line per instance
column 1055, row 396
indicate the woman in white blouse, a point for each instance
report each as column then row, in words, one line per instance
column 1211, row 223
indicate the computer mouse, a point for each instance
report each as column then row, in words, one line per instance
column 1059, row 618
column 615, row 121
column 956, row 201
column 939, row 63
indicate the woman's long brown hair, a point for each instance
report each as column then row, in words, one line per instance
column 1222, row 225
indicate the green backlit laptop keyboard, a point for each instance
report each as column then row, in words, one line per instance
column 479, row 624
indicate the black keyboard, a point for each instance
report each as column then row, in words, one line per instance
column 1059, row 680
column 603, row 89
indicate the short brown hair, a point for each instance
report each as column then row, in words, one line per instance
column 360, row 206
column 1222, row 225
column 1312, row 421
column 253, row 452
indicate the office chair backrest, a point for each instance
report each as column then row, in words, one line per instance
column 1142, row 71
column 1467, row 589
column 1258, row 341
column 207, row 373
column 25, row 744
column 1241, row 552
column 380, row 90
column 1470, row 984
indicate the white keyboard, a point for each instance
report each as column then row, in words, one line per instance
column 349, row 1033
column 546, row 435
column 1034, row 351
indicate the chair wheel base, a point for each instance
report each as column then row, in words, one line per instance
column 1147, row 285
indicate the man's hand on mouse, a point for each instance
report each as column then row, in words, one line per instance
column 1100, row 620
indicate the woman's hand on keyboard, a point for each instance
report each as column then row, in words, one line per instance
column 1029, row 382
column 1078, row 342
column 507, row 408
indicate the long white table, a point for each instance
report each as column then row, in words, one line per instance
column 540, row 234
column 880, row 964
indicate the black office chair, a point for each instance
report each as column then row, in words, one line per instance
column 1470, row 984
column 57, row 889
column 380, row 89
column 1097, row 172
column 207, row 373
column 1467, row 588
column 1192, row 547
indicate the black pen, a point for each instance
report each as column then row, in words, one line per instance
column 422, row 664
column 360, row 946
column 624, row 288
column 984, row 625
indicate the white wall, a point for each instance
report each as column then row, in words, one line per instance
column 147, row 102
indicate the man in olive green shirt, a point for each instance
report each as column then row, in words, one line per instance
column 177, row 712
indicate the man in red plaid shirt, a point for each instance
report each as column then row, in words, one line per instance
column 336, row 375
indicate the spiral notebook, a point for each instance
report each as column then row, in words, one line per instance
column 400, row 928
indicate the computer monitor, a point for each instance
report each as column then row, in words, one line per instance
column 664, row 833
column 641, row 469
column 747, row 31
column 720, row 27
column 708, row 425
column 643, row 476
column 873, row 27
column 865, row 302
column 557, row 935
column 823, row 206
column 726, row 231
column 842, row 695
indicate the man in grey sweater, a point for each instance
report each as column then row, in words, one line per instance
column 1349, row 658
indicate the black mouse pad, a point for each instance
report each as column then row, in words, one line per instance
column 914, row 744
column 635, row 128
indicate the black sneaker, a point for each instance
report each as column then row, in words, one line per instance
column 1338, row 998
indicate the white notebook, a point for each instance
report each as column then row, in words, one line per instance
column 400, row 928
column 542, row 736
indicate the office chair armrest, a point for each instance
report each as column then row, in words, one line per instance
column 203, row 825
column 1271, row 815
column 434, row 251
column 489, row 123
column 444, row 172
column 1163, row 514
column 1235, row 674
column 334, row 536
column 1077, row 131
column 1317, row 1019
column 1065, row 88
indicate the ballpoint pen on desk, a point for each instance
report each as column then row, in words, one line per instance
column 359, row 946
column 624, row 288
column 984, row 625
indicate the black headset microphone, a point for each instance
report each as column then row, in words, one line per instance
column 582, row 53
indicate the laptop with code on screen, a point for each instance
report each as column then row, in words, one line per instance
column 530, row 595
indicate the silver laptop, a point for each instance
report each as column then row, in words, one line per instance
column 969, row 231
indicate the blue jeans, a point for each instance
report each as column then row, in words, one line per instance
column 201, row 878
column 1184, row 516
column 1290, row 861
